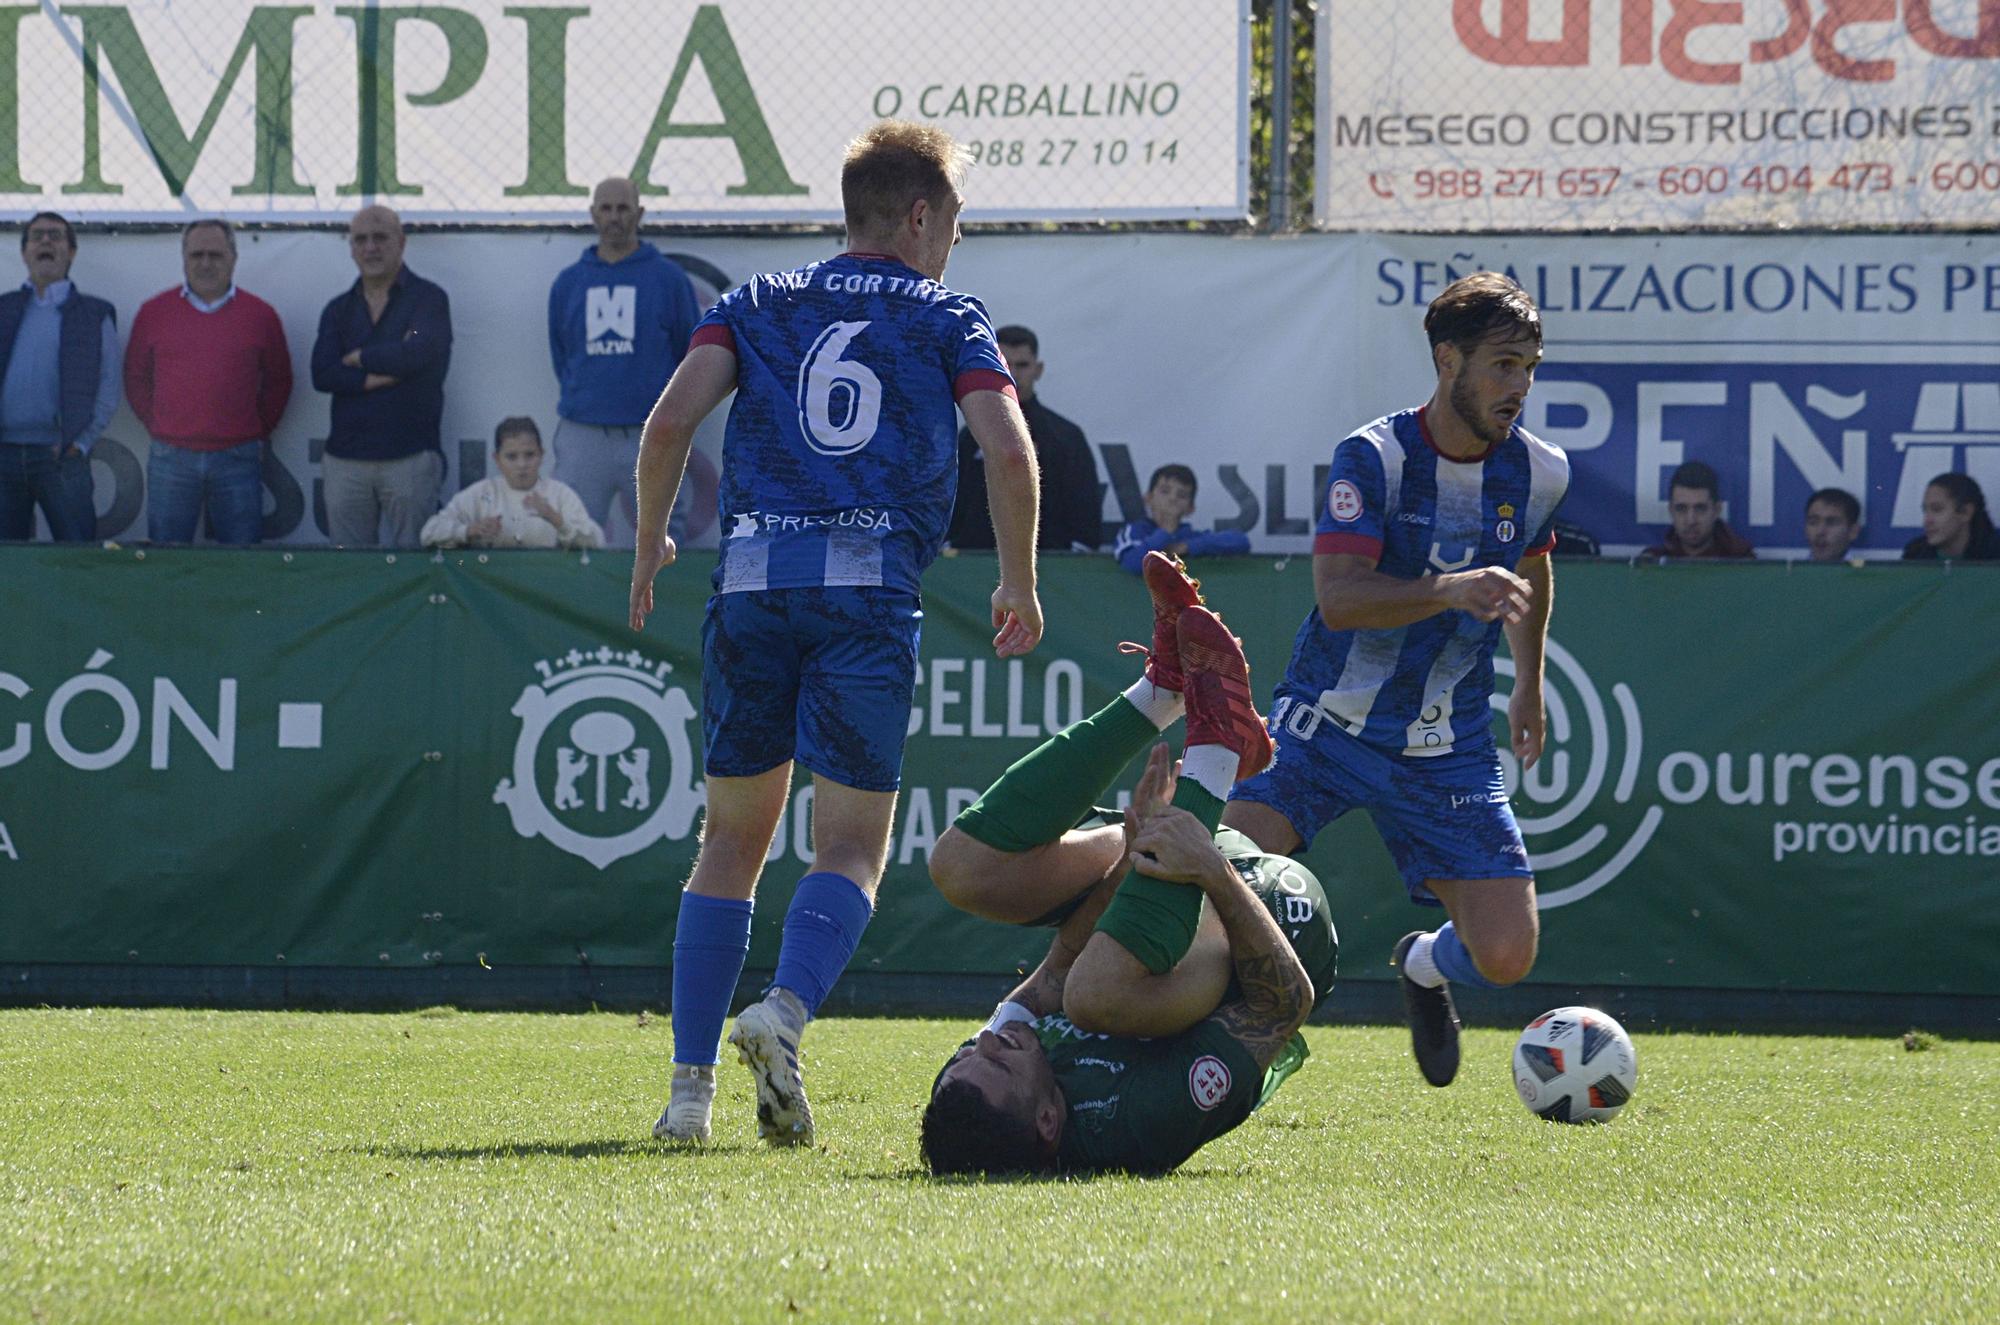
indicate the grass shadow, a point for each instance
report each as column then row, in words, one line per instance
column 548, row 1150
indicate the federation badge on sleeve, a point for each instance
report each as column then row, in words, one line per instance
column 1208, row 1082
column 1343, row 500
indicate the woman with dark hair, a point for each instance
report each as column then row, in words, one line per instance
column 1956, row 524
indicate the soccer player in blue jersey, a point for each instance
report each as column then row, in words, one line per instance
column 839, row 466
column 1433, row 539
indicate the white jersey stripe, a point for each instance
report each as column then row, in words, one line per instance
column 1371, row 661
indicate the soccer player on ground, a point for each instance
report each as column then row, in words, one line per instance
column 838, row 469
column 1060, row 1077
column 1433, row 539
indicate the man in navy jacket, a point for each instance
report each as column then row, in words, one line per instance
column 58, row 388
column 383, row 349
column 619, row 321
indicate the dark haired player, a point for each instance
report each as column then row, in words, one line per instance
column 1155, row 1023
column 1433, row 539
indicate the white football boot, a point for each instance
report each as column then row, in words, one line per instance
column 686, row 1118
column 767, row 1041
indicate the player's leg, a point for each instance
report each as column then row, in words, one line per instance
column 749, row 687
column 1267, row 827
column 1014, row 854
column 1135, row 976
column 1454, row 839
column 857, row 651
column 712, row 936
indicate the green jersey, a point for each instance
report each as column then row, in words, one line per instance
column 1146, row 1105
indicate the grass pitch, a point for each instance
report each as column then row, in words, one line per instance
column 183, row 1166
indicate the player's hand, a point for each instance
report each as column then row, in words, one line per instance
column 1155, row 793
column 648, row 560
column 483, row 531
column 1527, row 724
column 1017, row 621
column 1175, row 846
column 1491, row 593
column 541, row 506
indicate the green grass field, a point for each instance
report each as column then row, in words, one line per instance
column 184, row 1166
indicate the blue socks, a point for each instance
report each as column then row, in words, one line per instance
column 828, row 914
column 1453, row 962
column 711, row 940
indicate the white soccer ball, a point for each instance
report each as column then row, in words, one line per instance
column 1575, row 1065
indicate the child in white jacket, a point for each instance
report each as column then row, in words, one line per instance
column 516, row 507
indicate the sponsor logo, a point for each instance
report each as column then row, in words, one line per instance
column 1592, row 802
column 748, row 524
column 1590, row 761
column 610, row 311
column 1208, row 1082
column 1343, row 501
column 603, row 767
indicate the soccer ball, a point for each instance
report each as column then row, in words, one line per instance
column 1575, row 1065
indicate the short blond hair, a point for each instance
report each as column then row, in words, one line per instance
column 894, row 164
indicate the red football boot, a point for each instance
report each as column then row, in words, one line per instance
column 1173, row 592
column 1219, row 708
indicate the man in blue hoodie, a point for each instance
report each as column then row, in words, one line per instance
column 59, row 380
column 619, row 322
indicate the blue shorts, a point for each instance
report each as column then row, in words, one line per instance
column 821, row 675
column 1446, row 817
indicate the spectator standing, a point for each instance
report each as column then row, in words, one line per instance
column 516, row 507
column 382, row 352
column 1169, row 501
column 58, row 389
column 619, row 321
column 1833, row 522
column 209, row 374
column 1694, row 504
column 1957, row 526
column 1072, row 507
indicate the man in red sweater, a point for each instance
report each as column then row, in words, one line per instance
column 208, row 372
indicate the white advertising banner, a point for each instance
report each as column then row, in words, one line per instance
column 1788, row 363
column 1597, row 114
column 487, row 111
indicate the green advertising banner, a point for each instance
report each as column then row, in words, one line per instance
column 1780, row 778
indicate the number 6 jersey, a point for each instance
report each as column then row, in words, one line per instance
column 840, row 459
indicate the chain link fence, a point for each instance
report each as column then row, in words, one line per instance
column 1445, row 115
column 733, row 112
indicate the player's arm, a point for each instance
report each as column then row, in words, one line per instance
column 1526, row 722
column 1277, row 993
column 1353, row 595
column 1013, row 492
column 704, row 380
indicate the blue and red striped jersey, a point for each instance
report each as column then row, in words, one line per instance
column 840, row 458
column 1425, row 688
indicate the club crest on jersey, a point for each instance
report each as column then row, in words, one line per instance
column 1505, row 530
column 1343, row 501
column 1208, row 1082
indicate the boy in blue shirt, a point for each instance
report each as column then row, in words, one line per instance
column 1169, row 502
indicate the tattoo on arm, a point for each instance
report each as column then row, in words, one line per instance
column 1276, row 997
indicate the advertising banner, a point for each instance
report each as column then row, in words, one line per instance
column 1599, row 114
column 1786, row 362
column 490, row 112
column 396, row 760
